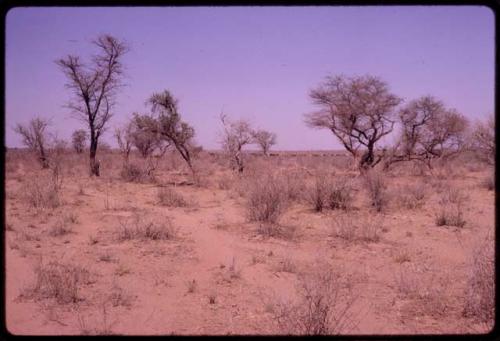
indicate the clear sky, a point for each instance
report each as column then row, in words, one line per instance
column 257, row 63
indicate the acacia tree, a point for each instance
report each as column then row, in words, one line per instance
column 236, row 135
column 357, row 110
column 78, row 139
column 428, row 131
column 35, row 137
column 166, row 123
column 483, row 139
column 94, row 87
column 265, row 140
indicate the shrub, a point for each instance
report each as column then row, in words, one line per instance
column 376, row 186
column 450, row 208
column 324, row 306
column 266, row 199
column 332, row 194
column 412, row 196
column 357, row 229
column 41, row 192
column 59, row 281
column 169, row 197
column 131, row 172
column 480, row 290
column 339, row 194
column 143, row 227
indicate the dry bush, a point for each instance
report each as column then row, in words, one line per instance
column 169, row 197
column 41, row 192
column 144, row 227
column 266, row 199
column 275, row 230
column 339, row 194
column 412, row 196
column 451, row 206
column 355, row 228
column 330, row 193
column 294, row 184
column 61, row 227
column 317, row 194
column 131, row 172
column 480, row 290
column 376, row 185
column 421, row 284
column 324, row 306
column 59, row 281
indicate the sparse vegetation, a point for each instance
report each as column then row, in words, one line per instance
column 144, row 227
column 451, row 206
column 169, row 197
column 266, row 199
column 376, row 185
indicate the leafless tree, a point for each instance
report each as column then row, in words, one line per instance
column 165, row 122
column 95, row 87
column 78, row 139
column 35, row 137
column 429, row 131
column 357, row 110
column 123, row 136
column 235, row 136
column 265, row 140
column 483, row 139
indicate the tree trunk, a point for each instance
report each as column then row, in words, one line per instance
column 43, row 158
column 367, row 159
column 94, row 165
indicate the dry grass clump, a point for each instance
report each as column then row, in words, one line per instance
column 412, row 196
column 376, row 185
column 63, row 225
column 167, row 196
column 41, row 192
column 266, row 199
column 351, row 228
column 421, row 284
column 330, row 193
column 131, row 172
column 144, row 227
column 480, row 290
column 324, row 306
column 58, row 281
column 451, row 206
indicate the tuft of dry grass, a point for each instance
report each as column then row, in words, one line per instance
column 412, row 196
column 353, row 228
column 330, row 193
column 376, row 185
column 324, row 306
column 144, row 227
column 451, row 205
column 266, row 199
column 480, row 290
column 169, row 197
column 41, row 192
column 58, row 281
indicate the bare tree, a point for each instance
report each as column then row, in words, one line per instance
column 165, row 122
column 94, row 87
column 236, row 135
column 429, row 131
column 78, row 139
column 357, row 110
column 35, row 137
column 265, row 140
column 123, row 136
column 483, row 139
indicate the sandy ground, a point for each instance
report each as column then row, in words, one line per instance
column 218, row 275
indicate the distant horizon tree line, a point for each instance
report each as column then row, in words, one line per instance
column 359, row 111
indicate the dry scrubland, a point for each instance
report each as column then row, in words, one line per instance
column 297, row 244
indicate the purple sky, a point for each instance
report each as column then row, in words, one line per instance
column 257, row 63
